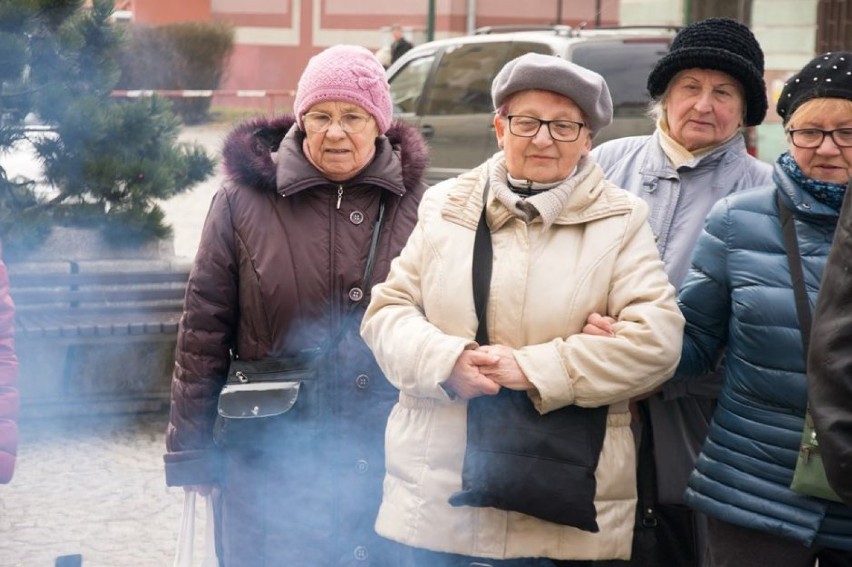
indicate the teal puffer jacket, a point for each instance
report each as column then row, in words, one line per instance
column 739, row 296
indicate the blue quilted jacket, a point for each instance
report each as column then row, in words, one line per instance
column 738, row 295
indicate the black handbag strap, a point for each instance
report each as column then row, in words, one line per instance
column 646, row 472
column 791, row 244
column 803, row 307
column 368, row 276
column 481, row 269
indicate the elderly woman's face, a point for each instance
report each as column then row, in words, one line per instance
column 703, row 107
column 824, row 160
column 541, row 158
column 348, row 143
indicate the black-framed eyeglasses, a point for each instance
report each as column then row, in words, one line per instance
column 811, row 138
column 351, row 122
column 560, row 130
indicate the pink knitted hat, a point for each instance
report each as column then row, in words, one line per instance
column 348, row 73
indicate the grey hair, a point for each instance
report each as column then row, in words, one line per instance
column 656, row 109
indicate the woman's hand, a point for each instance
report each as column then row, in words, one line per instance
column 467, row 379
column 599, row 325
column 506, row 371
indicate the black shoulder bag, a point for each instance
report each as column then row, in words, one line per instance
column 663, row 535
column 517, row 459
column 809, row 476
column 260, row 394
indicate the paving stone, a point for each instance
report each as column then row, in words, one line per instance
column 94, row 487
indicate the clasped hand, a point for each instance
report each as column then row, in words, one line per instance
column 484, row 370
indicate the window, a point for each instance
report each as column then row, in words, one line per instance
column 463, row 82
column 408, row 84
column 625, row 66
column 521, row 47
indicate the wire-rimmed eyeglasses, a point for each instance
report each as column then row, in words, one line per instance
column 560, row 130
column 351, row 122
column 811, row 138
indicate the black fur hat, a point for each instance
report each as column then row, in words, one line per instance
column 826, row 76
column 721, row 44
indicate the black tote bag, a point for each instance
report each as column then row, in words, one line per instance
column 517, row 459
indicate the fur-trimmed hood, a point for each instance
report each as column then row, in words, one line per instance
column 248, row 149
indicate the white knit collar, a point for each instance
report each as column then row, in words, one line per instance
column 535, row 186
column 546, row 204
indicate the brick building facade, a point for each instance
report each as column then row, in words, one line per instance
column 275, row 38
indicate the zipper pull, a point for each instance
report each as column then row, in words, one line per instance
column 339, row 195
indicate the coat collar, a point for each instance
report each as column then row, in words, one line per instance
column 800, row 201
column 591, row 199
column 657, row 164
column 249, row 158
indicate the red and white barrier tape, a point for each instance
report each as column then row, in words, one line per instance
column 256, row 93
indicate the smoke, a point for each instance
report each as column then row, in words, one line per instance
column 89, row 476
column 92, row 486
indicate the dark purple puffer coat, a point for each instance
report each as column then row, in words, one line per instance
column 281, row 261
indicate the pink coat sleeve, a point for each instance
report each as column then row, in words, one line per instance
column 8, row 381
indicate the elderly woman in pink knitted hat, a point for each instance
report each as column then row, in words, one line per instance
column 278, row 407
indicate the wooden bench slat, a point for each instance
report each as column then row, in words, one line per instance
column 40, row 318
column 30, row 280
column 42, row 324
column 165, row 325
column 27, row 297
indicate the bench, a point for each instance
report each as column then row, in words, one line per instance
column 96, row 336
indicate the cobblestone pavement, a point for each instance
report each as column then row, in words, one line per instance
column 93, row 487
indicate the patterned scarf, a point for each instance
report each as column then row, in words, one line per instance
column 830, row 194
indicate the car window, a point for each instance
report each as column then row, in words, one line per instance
column 462, row 84
column 407, row 84
column 521, row 47
column 625, row 66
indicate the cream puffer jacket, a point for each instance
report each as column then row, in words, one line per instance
column 598, row 256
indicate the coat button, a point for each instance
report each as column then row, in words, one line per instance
column 362, row 466
column 362, row 381
column 361, row 553
column 356, row 217
column 355, row 294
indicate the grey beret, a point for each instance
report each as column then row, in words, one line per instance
column 535, row 71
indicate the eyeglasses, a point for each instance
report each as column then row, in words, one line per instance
column 319, row 122
column 560, row 130
column 811, row 138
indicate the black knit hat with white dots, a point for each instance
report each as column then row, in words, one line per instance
column 827, row 76
column 722, row 44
